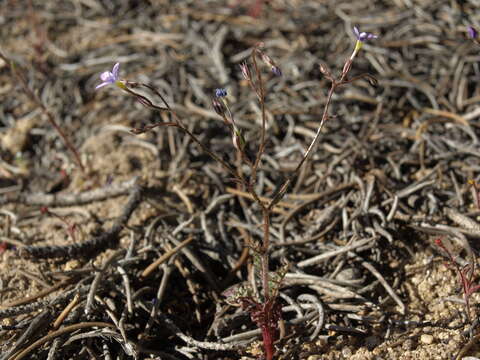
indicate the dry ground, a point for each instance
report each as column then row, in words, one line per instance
column 393, row 165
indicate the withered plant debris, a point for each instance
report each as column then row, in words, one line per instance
column 166, row 232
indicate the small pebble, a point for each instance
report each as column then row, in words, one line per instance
column 346, row 352
column 350, row 275
column 407, row 345
column 372, row 342
column 7, row 322
column 426, row 339
column 72, row 265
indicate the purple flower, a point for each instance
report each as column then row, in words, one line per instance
column 472, row 32
column 276, row 71
column 220, row 93
column 363, row 36
column 108, row 77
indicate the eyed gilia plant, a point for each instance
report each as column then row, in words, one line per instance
column 263, row 305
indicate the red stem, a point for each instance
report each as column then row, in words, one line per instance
column 264, row 254
column 268, row 341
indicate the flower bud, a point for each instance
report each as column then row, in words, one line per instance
column 347, row 66
column 245, row 71
column 218, row 106
column 267, row 59
column 219, row 93
column 276, row 71
column 324, row 70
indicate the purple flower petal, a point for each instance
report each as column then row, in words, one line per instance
column 276, row 71
column 109, row 77
column 105, row 75
column 115, row 70
column 472, row 32
column 101, row 85
column 363, row 36
column 220, row 92
column 357, row 33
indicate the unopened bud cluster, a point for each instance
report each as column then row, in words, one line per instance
column 268, row 60
column 217, row 101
